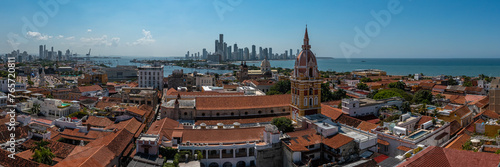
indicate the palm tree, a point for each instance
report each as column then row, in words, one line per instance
column 35, row 109
column 39, row 145
column 423, row 109
column 44, row 155
column 405, row 107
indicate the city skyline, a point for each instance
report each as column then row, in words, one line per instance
column 447, row 29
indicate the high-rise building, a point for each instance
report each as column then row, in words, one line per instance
column 216, row 46
column 149, row 76
column 246, row 54
column 226, row 52
column 261, row 55
column 253, row 53
column 286, row 54
column 305, row 83
column 204, row 54
column 40, row 54
column 291, row 54
column 271, row 53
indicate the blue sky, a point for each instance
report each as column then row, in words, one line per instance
column 420, row 28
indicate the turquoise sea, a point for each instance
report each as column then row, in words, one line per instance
column 393, row 66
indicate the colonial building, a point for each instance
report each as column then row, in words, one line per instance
column 306, row 83
column 150, row 77
column 264, row 72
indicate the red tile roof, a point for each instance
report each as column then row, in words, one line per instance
column 18, row 161
column 443, row 157
column 332, row 112
column 347, row 120
column 299, row 140
column 98, row 121
column 380, row 158
column 423, row 120
column 383, row 142
column 490, row 114
column 136, row 110
column 403, row 148
column 337, row 141
column 366, row 126
column 241, row 120
column 458, row 142
column 242, row 102
column 215, row 135
column 89, row 88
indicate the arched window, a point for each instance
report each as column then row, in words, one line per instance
column 272, row 111
column 310, row 72
column 310, row 91
column 298, row 101
column 305, row 101
column 311, row 101
column 185, row 113
column 316, row 100
column 202, row 114
column 246, row 113
column 260, row 112
column 217, row 114
column 283, row 110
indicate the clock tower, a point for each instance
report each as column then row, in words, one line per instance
column 306, row 83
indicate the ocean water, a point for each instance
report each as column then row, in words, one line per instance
column 393, row 66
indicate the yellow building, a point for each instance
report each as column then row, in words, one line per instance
column 306, row 83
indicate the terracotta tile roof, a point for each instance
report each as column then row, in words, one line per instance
column 262, row 82
column 102, row 105
column 136, row 110
column 437, row 156
column 20, row 132
column 383, row 142
column 242, row 102
column 60, row 149
column 369, row 118
column 89, row 88
column 439, row 87
column 483, row 102
column 350, row 121
column 473, row 89
column 332, row 103
column 164, row 127
column 333, row 113
column 76, row 135
column 300, row 139
column 490, row 149
column 267, row 119
column 403, row 148
column 423, row 120
column 462, row 111
column 490, row 114
column 366, row 126
column 458, row 142
column 337, row 141
column 214, row 135
column 90, row 156
column 230, row 86
column 18, row 161
column 98, row 121
column 380, row 158
column 173, row 92
column 427, row 85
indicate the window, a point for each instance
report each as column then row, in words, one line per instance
column 232, row 113
column 310, row 91
column 260, row 112
column 185, row 113
column 305, row 101
column 272, row 111
column 310, row 72
column 316, row 100
column 202, row 114
column 217, row 114
column 283, row 110
column 311, row 101
column 246, row 113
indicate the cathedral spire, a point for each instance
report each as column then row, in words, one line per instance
column 306, row 45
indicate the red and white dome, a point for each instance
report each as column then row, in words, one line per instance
column 306, row 64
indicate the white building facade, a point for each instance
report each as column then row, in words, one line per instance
column 150, row 77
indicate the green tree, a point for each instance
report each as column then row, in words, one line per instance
column 452, row 81
column 422, row 96
column 362, row 86
column 405, row 107
column 397, row 85
column 366, row 79
column 273, row 92
column 371, row 94
column 326, row 94
column 284, row 124
column 41, row 153
column 35, row 109
column 339, row 94
column 44, row 156
column 388, row 93
column 282, row 86
column 39, row 145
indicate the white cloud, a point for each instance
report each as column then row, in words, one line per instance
column 89, row 30
column 147, row 39
column 101, row 41
column 60, row 36
column 70, row 38
column 37, row 35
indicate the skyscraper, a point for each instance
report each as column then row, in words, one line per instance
column 291, row 54
column 261, row 55
column 204, row 54
column 246, row 54
column 216, row 46
column 271, row 53
column 253, row 53
column 41, row 52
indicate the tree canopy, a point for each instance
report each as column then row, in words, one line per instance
column 327, row 95
column 423, row 96
column 281, row 87
column 397, row 85
column 362, row 86
column 393, row 92
column 284, row 124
